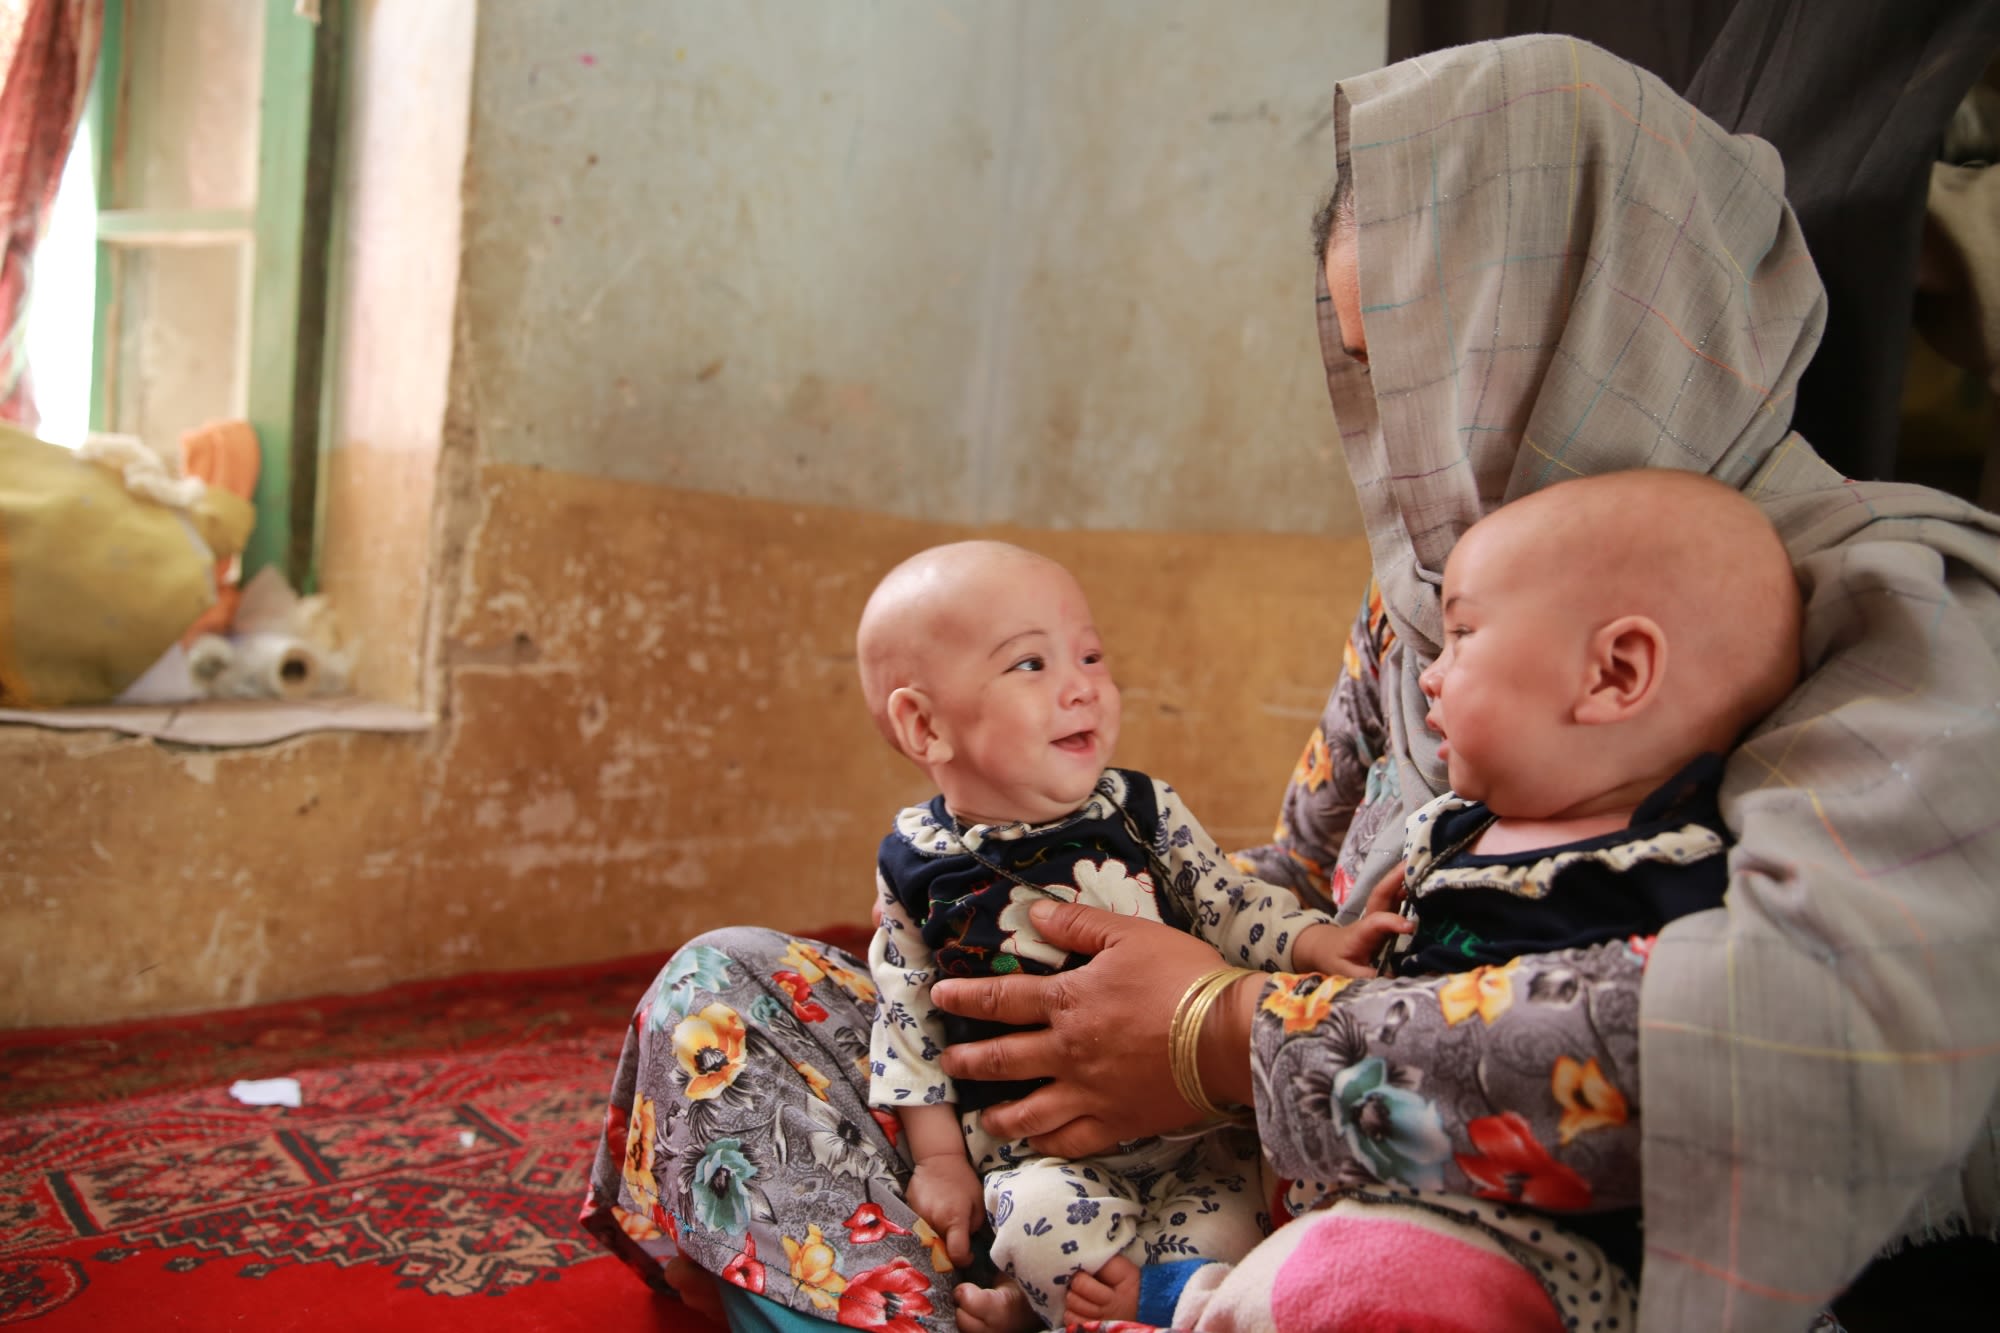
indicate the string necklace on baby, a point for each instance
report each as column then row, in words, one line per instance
column 1161, row 876
column 1397, row 945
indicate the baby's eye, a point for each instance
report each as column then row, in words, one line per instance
column 1458, row 631
column 1092, row 659
column 1030, row 663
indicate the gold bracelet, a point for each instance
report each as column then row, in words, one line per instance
column 1184, row 1037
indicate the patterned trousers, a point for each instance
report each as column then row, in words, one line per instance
column 1154, row 1199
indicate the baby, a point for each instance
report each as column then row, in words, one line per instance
column 1605, row 642
column 981, row 665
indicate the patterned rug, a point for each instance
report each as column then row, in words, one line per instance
column 431, row 1177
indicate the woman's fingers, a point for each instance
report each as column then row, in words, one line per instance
column 1054, row 1120
column 1029, row 1001
column 1036, row 1053
column 1086, row 1136
column 1082, row 929
column 1017, row 998
column 1044, row 1111
column 1098, row 1032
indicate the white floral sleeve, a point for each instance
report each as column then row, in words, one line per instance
column 908, row 1033
column 1249, row 922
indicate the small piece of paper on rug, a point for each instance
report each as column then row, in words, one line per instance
column 266, row 1091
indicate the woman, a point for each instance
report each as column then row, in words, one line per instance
column 1556, row 267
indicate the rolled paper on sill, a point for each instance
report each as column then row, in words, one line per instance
column 263, row 666
column 278, row 666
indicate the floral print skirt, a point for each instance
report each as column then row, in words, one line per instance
column 738, row 1135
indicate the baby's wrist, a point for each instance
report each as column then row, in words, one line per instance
column 942, row 1159
column 1318, row 941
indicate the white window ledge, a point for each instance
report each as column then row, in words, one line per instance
column 252, row 722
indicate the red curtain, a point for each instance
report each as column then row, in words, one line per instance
column 48, row 70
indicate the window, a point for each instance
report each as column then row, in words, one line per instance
column 211, row 129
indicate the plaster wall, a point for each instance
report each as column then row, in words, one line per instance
column 1033, row 262
column 624, row 443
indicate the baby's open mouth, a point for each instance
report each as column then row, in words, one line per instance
column 1077, row 741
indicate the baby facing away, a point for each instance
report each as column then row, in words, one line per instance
column 1606, row 641
column 981, row 664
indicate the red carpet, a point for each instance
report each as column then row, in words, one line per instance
column 430, row 1180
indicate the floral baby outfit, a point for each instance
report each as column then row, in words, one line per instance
column 955, row 903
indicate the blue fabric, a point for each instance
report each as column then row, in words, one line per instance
column 1160, row 1289
column 751, row 1313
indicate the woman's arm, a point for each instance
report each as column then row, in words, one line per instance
column 1513, row 1082
column 1518, row 1082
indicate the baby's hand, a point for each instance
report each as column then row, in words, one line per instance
column 1112, row 1292
column 945, row 1191
column 1350, row 951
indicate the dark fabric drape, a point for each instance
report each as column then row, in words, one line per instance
column 47, row 77
column 1854, row 94
column 1667, row 38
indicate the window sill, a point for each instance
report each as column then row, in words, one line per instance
column 227, row 725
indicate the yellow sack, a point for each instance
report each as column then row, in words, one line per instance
column 96, row 582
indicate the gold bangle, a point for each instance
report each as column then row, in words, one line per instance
column 1184, row 1037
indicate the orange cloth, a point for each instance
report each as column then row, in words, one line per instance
column 225, row 455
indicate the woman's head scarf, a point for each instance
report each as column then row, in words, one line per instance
column 1566, row 270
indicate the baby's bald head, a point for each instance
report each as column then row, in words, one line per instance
column 1696, row 556
column 920, row 608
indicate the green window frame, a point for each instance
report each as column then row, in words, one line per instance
column 288, row 231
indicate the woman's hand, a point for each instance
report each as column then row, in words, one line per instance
column 1104, row 1037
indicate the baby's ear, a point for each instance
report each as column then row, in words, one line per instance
column 914, row 726
column 1624, row 671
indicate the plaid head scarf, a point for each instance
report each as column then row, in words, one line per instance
column 1565, row 270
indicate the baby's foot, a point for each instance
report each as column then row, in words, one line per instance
column 1110, row 1293
column 1000, row 1309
